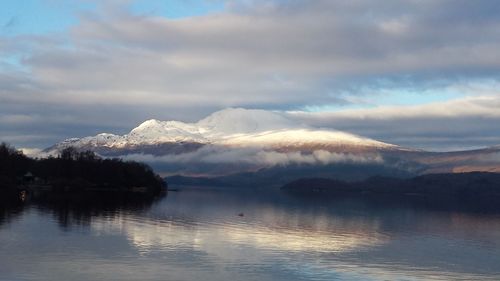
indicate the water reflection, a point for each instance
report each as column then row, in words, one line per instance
column 195, row 234
column 9, row 210
column 78, row 209
column 82, row 209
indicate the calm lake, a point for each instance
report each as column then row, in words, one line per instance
column 216, row 234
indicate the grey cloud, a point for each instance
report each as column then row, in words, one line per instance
column 272, row 54
column 236, row 57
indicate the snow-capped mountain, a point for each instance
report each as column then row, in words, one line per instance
column 233, row 127
column 239, row 140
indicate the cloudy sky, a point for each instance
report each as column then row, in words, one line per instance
column 421, row 73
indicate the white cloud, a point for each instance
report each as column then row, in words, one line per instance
column 255, row 156
column 482, row 106
column 33, row 152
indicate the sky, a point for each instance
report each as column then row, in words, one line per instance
column 423, row 74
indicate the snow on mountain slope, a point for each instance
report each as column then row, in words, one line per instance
column 154, row 131
column 305, row 138
column 228, row 127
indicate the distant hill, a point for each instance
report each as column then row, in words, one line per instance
column 459, row 185
column 279, row 175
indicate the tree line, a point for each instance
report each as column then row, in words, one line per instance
column 75, row 168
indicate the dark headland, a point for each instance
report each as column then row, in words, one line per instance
column 464, row 186
column 476, row 192
column 74, row 173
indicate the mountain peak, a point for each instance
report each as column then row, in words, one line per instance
column 147, row 124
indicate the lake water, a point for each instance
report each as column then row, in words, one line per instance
column 211, row 234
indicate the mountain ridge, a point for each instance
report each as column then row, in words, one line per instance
column 228, row 127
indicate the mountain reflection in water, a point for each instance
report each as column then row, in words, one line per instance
column 198, row 234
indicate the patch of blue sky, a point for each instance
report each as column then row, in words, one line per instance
column 12, row 62
column 389, row 97
column 46, row 16
column 176, row 9
column 39, row 16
